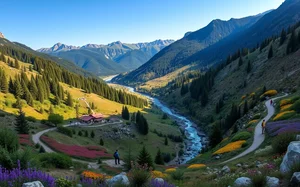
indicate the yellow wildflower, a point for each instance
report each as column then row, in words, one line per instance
column 196, row 166
column 230, row 147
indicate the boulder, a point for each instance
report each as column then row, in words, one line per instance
column 295, row 180
column 272, row 182
column 291, row 157
column 217, row 157
column 118, row 179
column 159, row 181
column 242, row 182
column 298, row 137
column 239, row 165
column 33, row 184
column 225, row 169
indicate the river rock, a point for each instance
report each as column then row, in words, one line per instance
column 295, row 180
column 33, row 184
column 217, row 157
column 118, row 179
column 225, row 169
column 298, row 137
column 239, row 165
column 272, row 182
column 159, row 181
column 291, row 157
column 242, row 182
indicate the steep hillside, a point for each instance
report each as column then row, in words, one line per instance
column 100, row 59
column 171, row 58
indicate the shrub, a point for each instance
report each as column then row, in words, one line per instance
column 61, row 182
column 285, row 102
column 42, row 150
column 177, row 175
column 31, row 119
column 258, row 180
column 281, row 142
column 65, row 130
column 56, row 160
column 241, row 136
column 166, row 157
column 256, row 116
column 139, row 175
column 9, row 140
column 245, row 144
column 5, row 159
column 284, row 115
column 55, row 119
column 296, row 106
column 99, row 161
column 2, row 115
column 270, row 93
column 37, row 146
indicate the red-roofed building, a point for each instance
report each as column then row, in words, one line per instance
column 92, row 118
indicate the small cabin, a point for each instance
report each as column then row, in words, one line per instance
column 92, row 118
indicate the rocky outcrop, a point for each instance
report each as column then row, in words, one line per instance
column 242, row 182
column 1, row 35
column 120, row 179
column 295, row 180
column 291, row 157
column 33, row 184
column 225, row 169
column 272, row 182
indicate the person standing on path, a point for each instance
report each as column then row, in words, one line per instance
column 117, row 157
column 271, row 102
column 263, row 126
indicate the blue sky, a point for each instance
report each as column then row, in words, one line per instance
column 39, row 23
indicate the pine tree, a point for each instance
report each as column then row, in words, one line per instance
column 204, row 98
column 77, row 111
column 33, row 89
column 101, row 142
column 69, row 100
column 282, row 36
column 128, row 160
column 30, row 68
column 21, row 125
column 11, row 87
column 292, row 45
column 144, row 158
column 86, row 133
column 92, row 134
column 18, row 91
column 249, row 67
column 166, row 141
column 270, row 54
column 159, row 158
column 4, row 84
column 240, row 61
column 216, row 135
column 17, row 65
column 57, row 100
column 133, row 117
column 51, row 111
column 246, row 107
column 18, row 103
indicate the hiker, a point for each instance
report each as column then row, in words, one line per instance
column 117, row 157
column 263, row 126
column 271, row 102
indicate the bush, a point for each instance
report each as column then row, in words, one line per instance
column 9, row 140
column 56, row 160
column 139, row 176
column 270, row 93
column 30, row 118
column 281, row 142
column 5, row 159
column 245, row 144
column 177, row 175
column 256, row 116
column 37, row 146
column 55, row 119
column 61, row 182
column 258, row 180
column 241, row 136
column 42, row 150
column 65, row 130
column 296, row 106
column 166, row 157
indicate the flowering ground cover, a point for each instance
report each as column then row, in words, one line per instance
column 17, row 176
column 170, row 170
column 25, row 139
column 90, row 152
column 284, row 114
column 95, row 176
column 280, row 127
column 196, row 166
column 158, row 174
column 230, row 147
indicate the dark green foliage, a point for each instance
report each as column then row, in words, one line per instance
column 5, row 159
column 282, row 36
column 166, row 141
column 219, row 105
column 79, row 133
column 69, row 101
column 3, row 82
column 31, row 119
column 92, row 134
column 241, row 61
column 144, row 158
column 270, row 54
column 139, row 176
column 65, row 130
column 165, row 116
column 17, row 65
column 249, row 67
column 292, row 45
column 204, row 98
column 21, row 125
column 125, row 113
column 86, row 133
column 18, row 103
column 265, row 43
column 62, row 182
column 167, row 157
column 202, row 85
column 184, row 89
column 177, row 175
column 281, row 142
column 9, row 140
column 258, row 180
column 296, row 106
column 51, row 111
column 216, row 135
column 133, row 117
column 232, row 117
column 56, row 160
column 55, row 119
column 159, row 158
column 128, row 160
column 246, row 108
column 101, row 142
column 141, row 123
column 241, row 136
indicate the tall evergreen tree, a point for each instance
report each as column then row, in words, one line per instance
column 270, row 54
column 4, row 83
column 17, row 65
column 101, row 142
column 245, row 107
column 144, row 158
column 69, row 100
column 204, row 98
column 249, row 67
column 166, row 141
column 92, row 134
column 282, row 36
column 18, row 91
column 159, row 158
column 51, row 111
column 292, row 45
column 240, row 61
column 77, row 111
column 216, row 135
column 133, row 117
column 21, row 125
column 33, row 89
column 11, row 87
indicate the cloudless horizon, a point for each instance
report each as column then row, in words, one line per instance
column 39, row 24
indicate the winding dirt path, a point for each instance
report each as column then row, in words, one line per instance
column 258, row 136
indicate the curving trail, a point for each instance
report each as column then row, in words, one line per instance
column 258, row 136
column 36, row 139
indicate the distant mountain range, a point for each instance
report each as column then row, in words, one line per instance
column 114, row 58
column 213, row 43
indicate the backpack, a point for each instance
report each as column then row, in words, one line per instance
column 115, row 154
